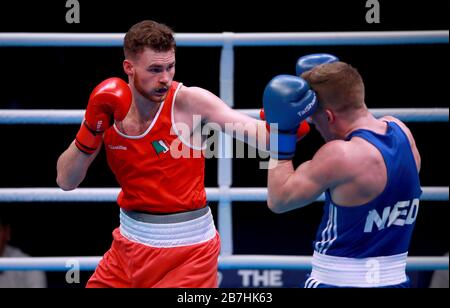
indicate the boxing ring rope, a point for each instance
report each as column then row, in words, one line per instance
column 225, row 263
column 224, row 194
column 248, row 194
column 236, row 39
column 52, row 116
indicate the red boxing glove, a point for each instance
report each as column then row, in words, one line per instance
column 109, row 101
column 302, row 130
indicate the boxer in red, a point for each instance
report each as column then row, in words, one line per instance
column 167, row 236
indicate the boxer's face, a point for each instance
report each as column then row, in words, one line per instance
column 152, row 73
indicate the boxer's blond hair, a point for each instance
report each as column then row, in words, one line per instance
column 338, row 85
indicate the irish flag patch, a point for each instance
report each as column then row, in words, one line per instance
column 160, row 146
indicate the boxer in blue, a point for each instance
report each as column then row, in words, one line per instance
column 368, row 169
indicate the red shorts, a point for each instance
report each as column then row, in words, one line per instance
column 130, row 264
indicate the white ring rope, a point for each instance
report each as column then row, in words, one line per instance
column 51, row 116
column 213, row 194
column 230, row 38
column 225, row 263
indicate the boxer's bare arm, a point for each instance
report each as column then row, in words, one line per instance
column 289, row 189
column 214, row 111
column 72, row 167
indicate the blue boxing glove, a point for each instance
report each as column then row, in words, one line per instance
column 308, row 62
column 287, row 100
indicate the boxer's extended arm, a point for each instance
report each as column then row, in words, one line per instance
column 72, row 167
column 216, row 112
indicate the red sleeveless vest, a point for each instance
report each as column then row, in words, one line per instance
column 151, row 178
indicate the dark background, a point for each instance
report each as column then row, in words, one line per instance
column 404, row 76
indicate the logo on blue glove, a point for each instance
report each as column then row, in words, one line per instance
column 309, row 109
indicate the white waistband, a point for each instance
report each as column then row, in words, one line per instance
column 366, row 272
column 167, row 235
